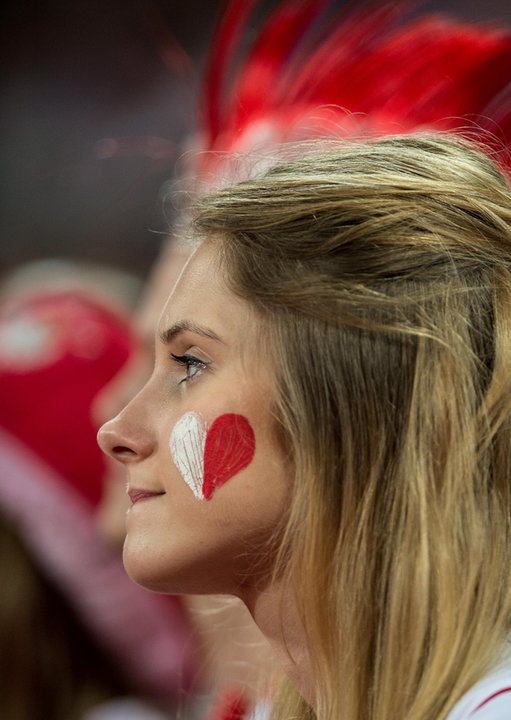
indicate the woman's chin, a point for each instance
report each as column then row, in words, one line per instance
column 142, row 571
column 175, row 573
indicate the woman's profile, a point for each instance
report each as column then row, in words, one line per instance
column 327, row 431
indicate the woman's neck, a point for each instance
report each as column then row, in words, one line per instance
column 274, row 610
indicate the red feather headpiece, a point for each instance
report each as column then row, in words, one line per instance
column 313, row 71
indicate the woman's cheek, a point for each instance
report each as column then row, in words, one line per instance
column 208, row 456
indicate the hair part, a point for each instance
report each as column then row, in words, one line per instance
column 383, row 272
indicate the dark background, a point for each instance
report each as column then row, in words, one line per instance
column 96, row 98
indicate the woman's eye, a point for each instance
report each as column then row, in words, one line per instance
column 193, row 365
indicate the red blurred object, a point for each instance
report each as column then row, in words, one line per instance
column 57, row 350
column 312, row 70
column 231, row 704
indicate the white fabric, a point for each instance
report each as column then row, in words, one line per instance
column 261, row 711
column 124, row 709
column 498, row 708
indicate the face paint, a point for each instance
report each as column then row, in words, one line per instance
column 229, row 447
column 208, row 458
column 187, row 450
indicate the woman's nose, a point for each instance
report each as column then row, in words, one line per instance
column 117, row 393
column 126, row 445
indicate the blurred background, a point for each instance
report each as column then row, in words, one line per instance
column 96, row 99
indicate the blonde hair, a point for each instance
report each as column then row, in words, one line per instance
column 383, row 272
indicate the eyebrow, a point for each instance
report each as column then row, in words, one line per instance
column 166, row 336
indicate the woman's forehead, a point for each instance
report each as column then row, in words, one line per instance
column 201, row 299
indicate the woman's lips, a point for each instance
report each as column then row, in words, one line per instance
column 137, row 495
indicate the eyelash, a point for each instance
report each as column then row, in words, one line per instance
column 191, row 363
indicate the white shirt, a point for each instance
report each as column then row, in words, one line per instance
column 489, row 699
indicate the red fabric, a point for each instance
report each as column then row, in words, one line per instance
column 230, row 705
column 57, row 350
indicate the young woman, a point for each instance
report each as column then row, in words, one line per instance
column 301, row 70
column 327, row 430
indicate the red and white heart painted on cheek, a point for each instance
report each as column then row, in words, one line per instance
column 209, row 458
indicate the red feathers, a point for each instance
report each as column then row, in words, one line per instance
column 230, row 30
column 311, row 71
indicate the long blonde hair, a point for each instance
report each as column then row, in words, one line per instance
column 383, row 272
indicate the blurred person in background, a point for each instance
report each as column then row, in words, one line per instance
column 312, row 69
column 78, row 640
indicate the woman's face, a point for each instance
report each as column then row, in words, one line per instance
column 208, row 481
